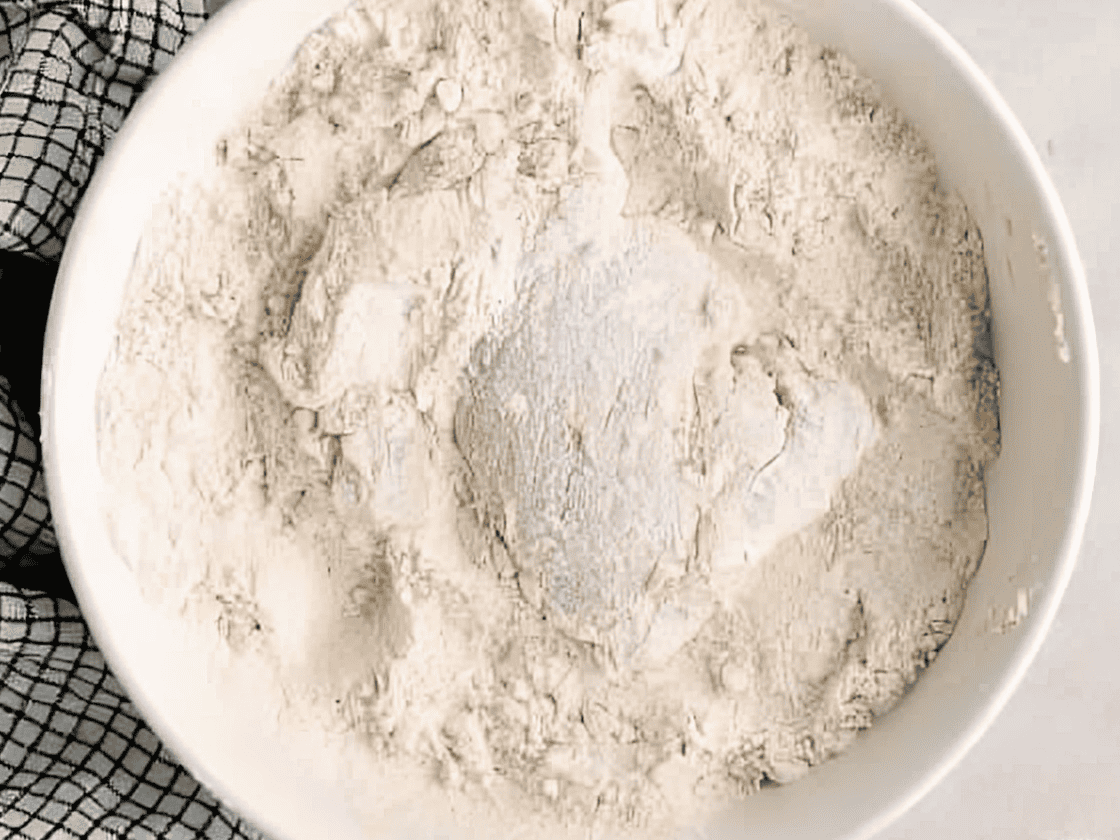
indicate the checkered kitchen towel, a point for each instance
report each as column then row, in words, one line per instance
column 76, row 758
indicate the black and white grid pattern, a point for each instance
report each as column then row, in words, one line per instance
column 76, row 758
column 25, row 517
column 77, row 761
column 71, row 72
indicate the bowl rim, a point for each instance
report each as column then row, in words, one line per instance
column 1064, row 250
column 1087, row 363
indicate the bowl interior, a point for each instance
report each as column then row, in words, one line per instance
column 1038, row 490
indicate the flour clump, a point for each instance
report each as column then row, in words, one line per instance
column 581, row 411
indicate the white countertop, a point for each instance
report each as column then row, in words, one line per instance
column 1049, row 768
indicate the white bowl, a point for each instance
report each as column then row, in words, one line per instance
column 1038, row 490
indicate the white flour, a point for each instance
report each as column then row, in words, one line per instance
column 582, row 411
